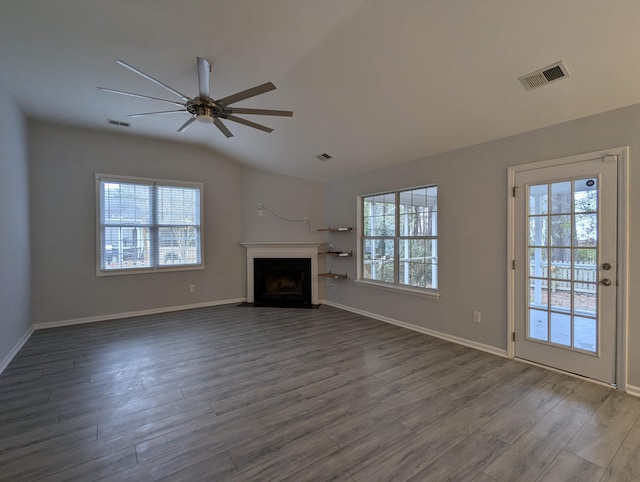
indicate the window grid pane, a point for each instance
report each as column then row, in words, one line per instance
column 126, row 204
column 399, row 237
column 178, row 205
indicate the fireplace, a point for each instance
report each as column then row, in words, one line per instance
column 284, row 282
column 291, row 251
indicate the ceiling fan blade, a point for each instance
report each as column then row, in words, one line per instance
column 154, row 80
column 130, row 94
column 204, row 69
column 246, row 122
column 245, row 94
column 223, row 128
column 183, row 111
column 241, row 110
column 184, row 126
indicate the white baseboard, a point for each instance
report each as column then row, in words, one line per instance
column 7, row 359
column 632, row 390
column 131, row 314
column 420, row 329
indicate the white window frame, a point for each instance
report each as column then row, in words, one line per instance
column 395, row 286
column 153, row 269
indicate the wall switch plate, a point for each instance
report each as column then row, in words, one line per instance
column 476, row 316
column 192, row 288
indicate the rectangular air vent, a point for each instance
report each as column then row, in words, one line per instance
column 544, row 76
column 118, row 123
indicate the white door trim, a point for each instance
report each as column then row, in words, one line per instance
column 623, row 247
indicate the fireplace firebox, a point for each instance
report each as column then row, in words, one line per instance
column 282, row 282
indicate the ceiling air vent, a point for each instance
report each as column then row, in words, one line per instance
column 118, row 123
column 544, row 76
column 324, row 157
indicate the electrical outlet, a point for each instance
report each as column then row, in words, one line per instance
column 260, row 209
column 476, row 316
column 192, row 288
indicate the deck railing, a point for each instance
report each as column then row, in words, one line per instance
column 585, row 277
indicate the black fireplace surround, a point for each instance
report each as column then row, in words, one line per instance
column 282, row 282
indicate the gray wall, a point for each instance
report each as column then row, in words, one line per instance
column 14, row 226
column 289, row 197
column 63, row 162
column 473, row 226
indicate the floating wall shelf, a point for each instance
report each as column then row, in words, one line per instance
column 333, row 275
column 337, row 254
column 336, row 230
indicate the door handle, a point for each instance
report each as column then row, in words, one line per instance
column 606, row 282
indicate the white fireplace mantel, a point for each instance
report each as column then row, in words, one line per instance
column 304, row 249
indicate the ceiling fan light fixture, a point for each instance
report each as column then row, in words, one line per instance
column 205, row 119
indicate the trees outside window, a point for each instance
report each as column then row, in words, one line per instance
column 399, row 243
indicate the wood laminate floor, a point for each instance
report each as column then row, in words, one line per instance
column 239, row 393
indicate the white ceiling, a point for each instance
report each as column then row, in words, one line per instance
column 371, row 82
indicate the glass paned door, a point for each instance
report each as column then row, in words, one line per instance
column 562, row 268
column 565, row 290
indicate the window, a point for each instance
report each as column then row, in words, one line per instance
column 399, row 238
column 148, row 224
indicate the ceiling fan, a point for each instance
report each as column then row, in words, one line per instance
column 203, row 108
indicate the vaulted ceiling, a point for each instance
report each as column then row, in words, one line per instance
column 371, row 82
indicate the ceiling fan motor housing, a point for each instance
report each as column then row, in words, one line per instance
column 205, row 111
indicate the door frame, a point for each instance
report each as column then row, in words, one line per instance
column 622, row 154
